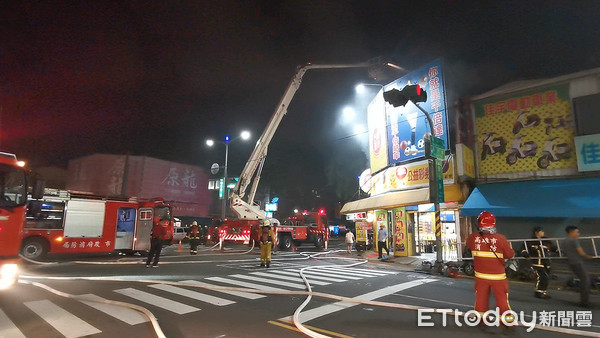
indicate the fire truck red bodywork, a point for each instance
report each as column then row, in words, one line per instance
column 237, row 230
column 307, row 227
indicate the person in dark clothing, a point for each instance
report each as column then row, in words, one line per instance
column 575, row 255
column 156, row 239
column 538, row 250
column 194, row 238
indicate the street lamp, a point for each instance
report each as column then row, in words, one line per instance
column 349, row 113
column 361, row 88
column 244, row 136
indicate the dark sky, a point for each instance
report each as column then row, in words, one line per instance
column 158, row 77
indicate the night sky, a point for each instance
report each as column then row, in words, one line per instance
column 157, row 78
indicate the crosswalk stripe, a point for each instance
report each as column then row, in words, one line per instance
column 63, row 321
column 162, row 302
column 193, row 294
column 321, row 272
column 129, row 316
column 8, row 328
column 310, row 278
column 233, row 293
column 293, row 279
column 378, row 272
column 338, row 306
column 244, row 284
column 350, row 272
column 271, row 281
column 319, row 276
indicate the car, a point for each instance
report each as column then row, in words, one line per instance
column 179, row 233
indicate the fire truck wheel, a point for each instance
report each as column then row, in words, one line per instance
column 286, row 242
column 34, row 248
column 319, row 243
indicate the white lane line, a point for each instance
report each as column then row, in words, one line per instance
column 310, row 275
column 292, row 279
column 271, row 281
column 8, row 328
column 193, row 294
column 129, row 316
column 233, row 293
column 351, row 273
column 374, row 272
column 335, row 307
column 244, row 284
column 161, row 302
column 62, row 320
column 321, row 272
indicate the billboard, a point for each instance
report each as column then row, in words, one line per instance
column 376, row 119
column 526, row 132
column 407, row 125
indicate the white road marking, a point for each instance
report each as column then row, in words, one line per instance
column 375, row 272
column 271, row 281
column 129, row 316
column 321, row 272
column 62, row 320
column 8, row 328
column 193, row 294
column 244, row 284
column 349, row 272
column 233, row 293
column 310, row 275
column 292, row 279
column 161, row 302
column 335, row 307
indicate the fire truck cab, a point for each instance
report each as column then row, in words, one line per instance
column 306, row 227
column 64, row 222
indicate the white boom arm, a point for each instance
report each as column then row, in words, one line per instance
column 247, row 209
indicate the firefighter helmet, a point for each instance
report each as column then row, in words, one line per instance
column 486, row 222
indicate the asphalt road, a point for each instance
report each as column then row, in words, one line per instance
column 186, row 311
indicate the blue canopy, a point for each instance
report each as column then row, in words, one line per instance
column 542, row 198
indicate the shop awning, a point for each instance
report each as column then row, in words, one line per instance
column 399, row 199
column 543, row 198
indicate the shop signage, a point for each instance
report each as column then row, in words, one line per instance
column 409, row 176
column 376, row 119
column 401, row 245
column 271, row 207
column 588, row 152
column 465, row 163
column 356, row 216
column 525, row 132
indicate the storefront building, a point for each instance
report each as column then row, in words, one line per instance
column 397, row 181
column 538, row 155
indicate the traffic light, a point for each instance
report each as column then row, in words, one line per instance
column 399, row 98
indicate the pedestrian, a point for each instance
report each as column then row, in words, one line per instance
column 382, row 236
column 490, row 250
column 539, row 250
column 194, row 238
column 158, row 232
column 349, row 241
column 266, row 237
column 575, row 256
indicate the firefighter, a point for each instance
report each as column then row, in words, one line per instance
column 537, row 250
column 490, row 250
column 158, row 232
column 266, row 238
column 194, row 236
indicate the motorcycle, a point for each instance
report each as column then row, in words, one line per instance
column 492, row 146
column 519, row 149
column 562, row 123
column 553, row 153
column 525, row 121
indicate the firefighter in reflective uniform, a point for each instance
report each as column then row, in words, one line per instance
column 194, row 236
column 537, row 250
column 490, row 250
column 266, row 237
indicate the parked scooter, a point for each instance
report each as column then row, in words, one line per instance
column 553, row 153
column 519, row 149
column 492, row 146
column 525, row 121
column 562, row 123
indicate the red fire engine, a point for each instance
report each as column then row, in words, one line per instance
column 64, row 222
column 13, row 203
column 306, row 227
column 237, row 230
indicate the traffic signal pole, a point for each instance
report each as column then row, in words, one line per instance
column 433, row 195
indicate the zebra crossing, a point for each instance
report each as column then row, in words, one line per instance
column 189, row 299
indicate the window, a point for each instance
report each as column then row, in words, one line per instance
column 45, row 215
column 126, row 220
column 586, row 114
column 145, row 215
